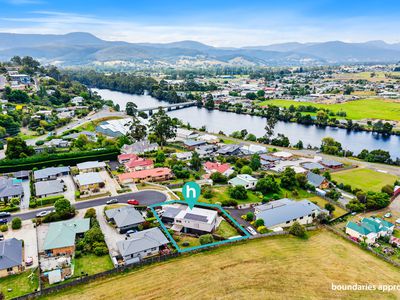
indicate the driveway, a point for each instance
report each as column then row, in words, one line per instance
column 111, row 184
column 237, row 213
column 69, row 194
column 27, row 195
column 111, row 235
column 27, row 233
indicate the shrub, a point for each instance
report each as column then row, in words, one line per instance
column 77, row 194
column 100, row 251
column 238, row 192
column 32, row 204
column 249, row 216
column 297, row 230
column 185, row 244
column 259, row 222
column 229, row 203
column 90, row 213
column 4, row 228
column 262, row 229
column 16, row 223
column 206, row 239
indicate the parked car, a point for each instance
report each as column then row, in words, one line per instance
column 133, row 202
column 4, row 214
column 29, row 261
column 3, row 221
column 43, row 213
column 129, row 232
column 112, row 201
column 1, row 237
column 251, row 230
column 387, row 215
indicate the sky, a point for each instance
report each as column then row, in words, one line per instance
column 222, row 23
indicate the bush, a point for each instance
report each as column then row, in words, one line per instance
column 32, row 204
column 206, row 239
column 77, row 194
column 9, row 209
column 16, row 223
column 185, row 244
column 259, row 222
column 229, row 203
column 238, row 192
column 297, row 230
column 4, row 228
column 262, row 229
column 100, row 251
column 90, row 213
column 249, row 216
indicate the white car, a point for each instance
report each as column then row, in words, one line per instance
column 251, row 230
column 43, row 213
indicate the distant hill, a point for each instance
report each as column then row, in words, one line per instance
column 80, row 48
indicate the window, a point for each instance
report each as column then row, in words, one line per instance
column 301, row 218
column 287, row 222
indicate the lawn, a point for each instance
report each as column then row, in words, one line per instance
column 180, row 239
column 270, row 268
column 92, row 264
column 226, row 230
column 20, row 284
column 384, row 109
column 220, row 193
column 365, row 179
column 338, row 212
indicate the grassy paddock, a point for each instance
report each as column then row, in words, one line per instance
column 92, row 264
column 383, row 109
column 270, row 268
column 365, row 179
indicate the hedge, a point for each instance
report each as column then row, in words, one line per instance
column 45, row 201
column 9, row 209
column 51, row 160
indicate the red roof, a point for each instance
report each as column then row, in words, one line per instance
column 156, row 172
column 139, row 163
column 125, row 156
column 216, row 167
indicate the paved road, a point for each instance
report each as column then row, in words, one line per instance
column 144, row 198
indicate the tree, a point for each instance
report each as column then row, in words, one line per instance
column 18, row 96
column 260, row 94
column 388, row 189
column 160, row 157
column 297, row 230
column 238, row 192
column 195, row 161
column 249, row 216
column 267, row 185
column 329, row 207
column 17, row 148
column 131, row 109
column 137, row 130
column 81, row 142
column 272, row 114
column 302, row 180
column 63, row 207
column 251, row 137
column 299, row 145
column 288, row 179
column 206, row 239
column 162, row 126
column 330, row 146
column 255, row 162
column 217, row 177
column 327, row 175
column 259, row 222
column 246, row 170
column 16, row 223
column 209, row 102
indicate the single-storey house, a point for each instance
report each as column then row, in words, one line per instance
column 22, row 175
column 206, row 150
column 192, row 144
column 139, row 164
column 212, row 167
column 248, row 181
column 61, row 236
column 317, row 180
column 140, row 147
column 89, row 181
column 211, row 139
column 49, row 188
column 253, row 149
column 91, row 166
column 50, row 173
column 125, row 157
column 283, row 154
column 156, row 174
column 10, row 257
column 231, row 149
column 284, row 212
column 186, row 134
column 184, row 155
column 313, row 166
column 331, row 164
column 141, row 244
column 369, row 229
column 10, row 188
column 125, row 218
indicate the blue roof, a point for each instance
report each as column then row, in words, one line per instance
column 191, row 143
column 281, row 211
column 315, row 179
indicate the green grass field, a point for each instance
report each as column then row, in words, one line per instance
column 270, row 268
column 92, row 264
column 365, row 179
column 356, row 110
column 20, row 284
column 226, row 230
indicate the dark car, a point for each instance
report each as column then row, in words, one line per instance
column 3, row 221
column 4, row 214
column 1, row 237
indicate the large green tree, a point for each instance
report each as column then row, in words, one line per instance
column 17, row 148
column 162, row 127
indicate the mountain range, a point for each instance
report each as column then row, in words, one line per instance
column 80, row 49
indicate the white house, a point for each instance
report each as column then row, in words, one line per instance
column 248, row 181
column 211, row 139
column 186, row 134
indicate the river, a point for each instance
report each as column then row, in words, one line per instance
column 227, row 122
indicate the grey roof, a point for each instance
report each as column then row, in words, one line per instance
column 91, row 165
column 10, row 187
column 140, row 147
column 10, row 253
column 193, row 143
column 229, row 149
column 171, row 212
column 125, row 216
column 49, row 187
column 90, row 135
column 267, row 157
column 48, row 172
column 279, row 212
column 142, row 240
column 312, row 166
column 21, row 174
column 89, row 178
column 331, row 163
column 315, row 179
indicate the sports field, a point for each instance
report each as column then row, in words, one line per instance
column 365, row 179
column 270, row 268
column 360, row 109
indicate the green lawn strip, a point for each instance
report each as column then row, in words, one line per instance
column 365, row 179
column 20, row 284
column 356, row 110
column 181, row 239
column 92, row 264
column 226, row 230
column 338, row 212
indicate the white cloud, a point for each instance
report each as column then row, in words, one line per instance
column 262, row 31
